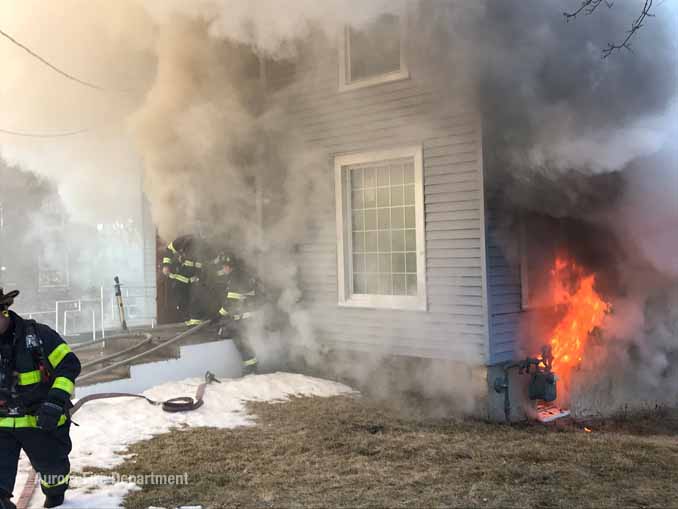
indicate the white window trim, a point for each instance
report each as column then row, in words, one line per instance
column 345, row 82
column 344, row 239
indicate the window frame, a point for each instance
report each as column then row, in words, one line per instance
column 345, row 82
column 346, row 297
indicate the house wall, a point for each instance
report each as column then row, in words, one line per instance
column 407, row 112
column 506, row 315
column 504, row 295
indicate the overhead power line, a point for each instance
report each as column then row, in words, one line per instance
column 48, row 64
column 27, row 134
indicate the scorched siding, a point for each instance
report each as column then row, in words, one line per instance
column 402, row 113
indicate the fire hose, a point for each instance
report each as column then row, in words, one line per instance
column 148, row 339
column 179, row 404
column 102, row 341
column 165, row 344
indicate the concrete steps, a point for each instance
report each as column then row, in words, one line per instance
column 119, row 344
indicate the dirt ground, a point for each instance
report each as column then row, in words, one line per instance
column 353, row 452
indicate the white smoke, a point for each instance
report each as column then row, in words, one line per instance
column 183, row 110
column 266, row 24
column 96, row 171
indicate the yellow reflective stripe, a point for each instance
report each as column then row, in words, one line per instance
column 198, row 265
column 167, row 260
column 29, row 378
column 180, row 278
column 64, row 384
column 223, row 312
column 194, row 279
column 193, row 321
column 63, row 481
column 235, row 296
column 170, row 246
column 189, row 263
column 26, row 421
column 58, row 354
column 250, row 362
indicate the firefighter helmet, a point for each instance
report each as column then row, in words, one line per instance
column 7, row 299
column 225, row 258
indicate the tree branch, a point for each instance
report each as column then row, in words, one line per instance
column 635, row 26
column 589, row 7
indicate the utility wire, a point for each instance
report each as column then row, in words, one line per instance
column 43, row 135
column 48, row 64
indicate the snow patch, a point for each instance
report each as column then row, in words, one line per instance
column 108, row 427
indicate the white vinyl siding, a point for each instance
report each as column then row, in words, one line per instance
column 504, row 295
column 380, row 229
column 402, row 113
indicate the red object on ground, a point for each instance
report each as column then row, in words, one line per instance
column 27, row 492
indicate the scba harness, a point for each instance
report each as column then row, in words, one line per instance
column 11, row 401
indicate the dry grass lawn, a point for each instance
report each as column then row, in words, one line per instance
column 352, row 452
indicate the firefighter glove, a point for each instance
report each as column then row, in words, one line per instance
column 48, row 416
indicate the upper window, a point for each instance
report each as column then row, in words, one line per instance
column 372, row 54
column 380, row 229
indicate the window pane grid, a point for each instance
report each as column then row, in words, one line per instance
column 384, row 228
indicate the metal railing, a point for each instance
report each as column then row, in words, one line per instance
column 70, row 316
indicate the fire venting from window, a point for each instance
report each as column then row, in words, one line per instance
column 583, row 310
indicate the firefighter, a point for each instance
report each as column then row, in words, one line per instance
column 37, row 379
column 182, row 265
column 237, row 309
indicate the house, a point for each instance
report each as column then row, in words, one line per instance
column 64, row 267
column 403, row 264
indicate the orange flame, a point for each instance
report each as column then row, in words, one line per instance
column 585, row 310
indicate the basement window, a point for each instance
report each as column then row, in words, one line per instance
column 372, row 54
column 380, row 229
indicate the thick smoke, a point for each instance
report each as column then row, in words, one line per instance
column 103, row 43
column 210, row 136
column 178, row 99
column 636, row 362
column 184, row 106
column 549, row 99
column 579, row 155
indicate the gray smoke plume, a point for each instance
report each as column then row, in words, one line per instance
column 184, row 107
column 548, row 98
column 181, row 104
column 579, row 153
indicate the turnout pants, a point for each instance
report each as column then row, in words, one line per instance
column 199, row 301
column 236, row 331
column 47, row 451
column 181, row 292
